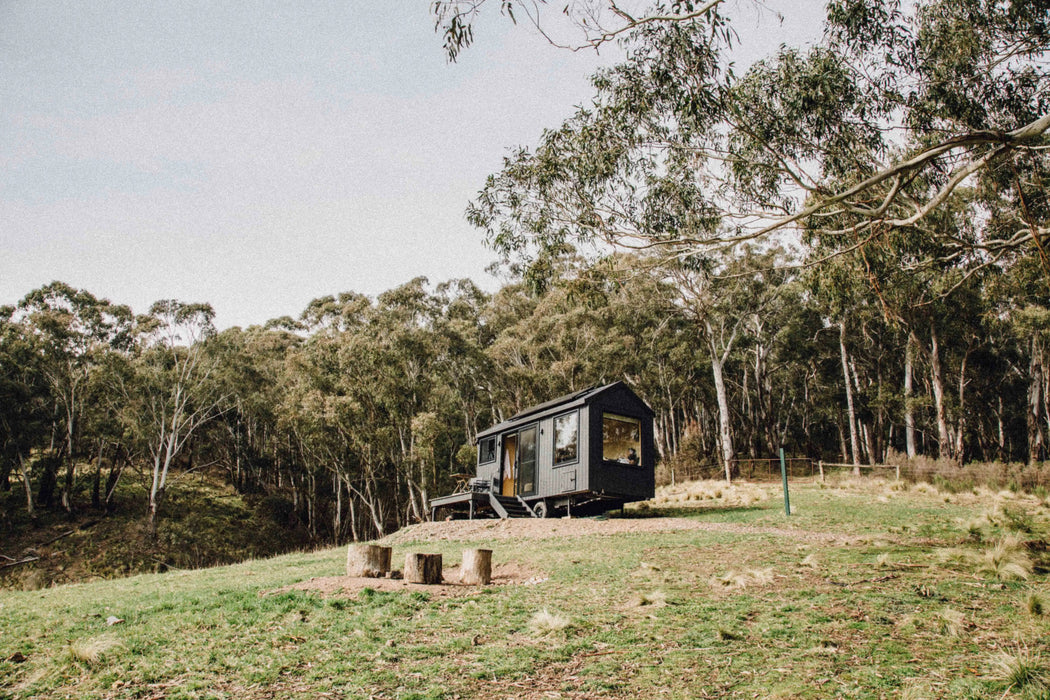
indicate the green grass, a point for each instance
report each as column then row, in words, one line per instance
column 854, row 596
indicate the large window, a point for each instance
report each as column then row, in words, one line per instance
column 566, row 438
column 621, row 439
column 487, row 450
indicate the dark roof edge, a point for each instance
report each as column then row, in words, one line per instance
column 572, row 400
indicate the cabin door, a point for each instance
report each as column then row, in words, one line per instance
column 519, row 463
column 510, row 460
column 527, row 461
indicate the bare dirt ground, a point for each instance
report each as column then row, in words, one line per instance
column 511, row 574
column 532, row 528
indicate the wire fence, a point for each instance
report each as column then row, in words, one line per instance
column 766, row 469
column 943, row 473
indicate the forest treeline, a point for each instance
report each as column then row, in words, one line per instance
column 842, row 250
column 351, row 416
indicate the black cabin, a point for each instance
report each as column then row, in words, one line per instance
column 583, row 453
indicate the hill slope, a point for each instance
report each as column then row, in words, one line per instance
column 204, row 523
column 865, row 591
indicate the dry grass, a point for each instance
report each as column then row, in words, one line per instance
column 1006, row 561
column 738, row 494
column 1021, row 670
column 92, row 651
column 653, row 598
column 952, row 622
column 743, row 579
column 545, row 623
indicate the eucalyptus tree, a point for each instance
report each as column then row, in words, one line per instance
column 886, row 120
column 75, row 330
column 252, row 364
column 1019, row 307
column 24, row 399
column 174, row 393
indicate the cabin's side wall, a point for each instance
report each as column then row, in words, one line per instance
column 570, row 476
column 631, row 482
column 490, row 470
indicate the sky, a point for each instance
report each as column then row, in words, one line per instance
column 259, row 155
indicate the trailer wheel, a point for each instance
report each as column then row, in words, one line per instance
column 542, row 510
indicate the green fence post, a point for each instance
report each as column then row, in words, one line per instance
column 784, row 475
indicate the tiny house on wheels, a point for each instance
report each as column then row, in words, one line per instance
column 583, row 453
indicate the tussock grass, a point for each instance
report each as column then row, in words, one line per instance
column 92, row 651
column 1006, row 561
column 743, row 579
column 737, row 494
column 1021, row 670
column 1034, row 604
column 545, row 623
column 811, row 561
column 952, row 622
column 653, row 598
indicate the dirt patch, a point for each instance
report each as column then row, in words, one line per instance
column 513, row 574
column 535, row 528
column 508, row 574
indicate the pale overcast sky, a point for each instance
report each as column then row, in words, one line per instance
column 256, row 155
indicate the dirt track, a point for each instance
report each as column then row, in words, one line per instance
column 531, row 528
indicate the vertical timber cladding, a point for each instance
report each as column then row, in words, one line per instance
column 571, row 475
column 616, row 476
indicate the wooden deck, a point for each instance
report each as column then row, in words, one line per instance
column 474, row 501
column 477, row 502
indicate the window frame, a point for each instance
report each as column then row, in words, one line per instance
column 622, row 418
column 481, row 450
column 554, row 439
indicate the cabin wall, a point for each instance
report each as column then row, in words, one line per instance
column 565, row 478
column 490, row 470
column 612, row 478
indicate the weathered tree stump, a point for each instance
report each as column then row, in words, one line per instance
column 477, row 567
column 423, row 568
column 367, row 560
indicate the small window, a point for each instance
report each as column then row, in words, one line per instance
column 487, row 450
column 566, row 438
column 621, row 439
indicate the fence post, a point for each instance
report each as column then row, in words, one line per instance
column 820, row 466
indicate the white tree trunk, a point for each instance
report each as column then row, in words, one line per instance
column 909, row 409
column 26, row 482
column 854, row 440
column 1035, row 402
column 944, row 445
column 725, row 437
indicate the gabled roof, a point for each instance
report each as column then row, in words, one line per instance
column 558, row 405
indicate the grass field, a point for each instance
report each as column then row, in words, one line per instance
column 868, row 590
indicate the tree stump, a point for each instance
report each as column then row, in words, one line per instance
column 477, row 567
column 423, row 568
column 367, row 560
